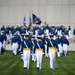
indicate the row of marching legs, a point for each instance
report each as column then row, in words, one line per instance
column 62, row 50
column 14, row 47
column 35, row 57
column 38, row 58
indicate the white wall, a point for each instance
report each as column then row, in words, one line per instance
column 54, row 12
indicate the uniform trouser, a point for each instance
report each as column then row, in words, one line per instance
column 26, row 58
column 65, row 49
column 19, row 47
column 8, row 37
column 21, row 56
column 46, row 54
column 52, row 58
column 4, row 44
column 60, row 50
column 39, row 55
column 0, row 47
column 33, row 57
column 15, row 47
column 70, row 34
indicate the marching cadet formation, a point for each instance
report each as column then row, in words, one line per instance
column 38, row 41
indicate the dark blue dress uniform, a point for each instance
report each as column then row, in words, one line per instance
column 64, row 41
column 28, row 44
column 23, row 31
column 14, row 40
column 41, row 32
column 54, row 44
column 26, row 51
column 39, row 46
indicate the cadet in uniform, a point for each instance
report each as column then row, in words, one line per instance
column 39, row 46
column 65, row 44
column 69, row 31
column 52, row 44
column 26, row 51
column 58, row 39
column 4, row 38
column 14, row 42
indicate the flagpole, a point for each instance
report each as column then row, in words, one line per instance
column 32, row 16
column 24, row 21
column 29, row 17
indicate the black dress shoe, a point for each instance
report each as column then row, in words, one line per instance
column 52, row 68
column 37, row 68
column 21, row 59
column 25, row 67
column 13, row 54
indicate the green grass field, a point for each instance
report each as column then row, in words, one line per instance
column 12, row 65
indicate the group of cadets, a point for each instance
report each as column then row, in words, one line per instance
column 36, row 41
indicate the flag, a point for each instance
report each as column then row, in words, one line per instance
column 36, row 20
column 24, row 21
